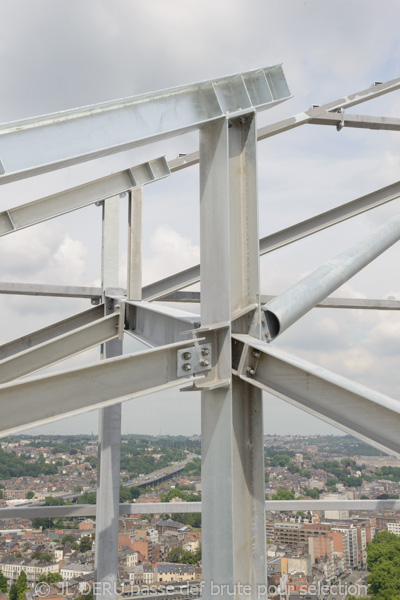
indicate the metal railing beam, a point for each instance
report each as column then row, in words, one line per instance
column 52, row 331
column 59, row 348
column 354, row 408
column 341, row 119
column 32, row 213
column 159, row 508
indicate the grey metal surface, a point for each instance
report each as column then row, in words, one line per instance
column 341, row 119
column 301, row 297
column 354, row 408
column 218, row 563
column 107, row 501
column 198, row 360
column 67, row 393
column 41, row 210
column 58, row 348
column 73, row 136
column 160, row 508
column 331, row 302
column 42, row 289
column 342, row 103
column 52, row 331
column 157, row 325
column 134, row 262
column 353, row 303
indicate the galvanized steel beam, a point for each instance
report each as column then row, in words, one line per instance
column 107, row 506
column 46, row 399
column 74, row 136
column 53, row 351
column 352, row 303
column 297, row 300
column 74, row 198
column 340, row 119
column 60, row 328
column 58, row 291
column 342, row 103
column 331, row 302
column 159, row 325
column 354, row 408
column 159, row 508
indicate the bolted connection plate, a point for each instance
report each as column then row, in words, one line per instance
column 194, row 360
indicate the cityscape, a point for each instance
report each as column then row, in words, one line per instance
column 316, row 554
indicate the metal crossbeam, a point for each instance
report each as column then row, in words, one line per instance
column 354, row 408
column 331, row 302
column 340, row 120
column 57, row 291
column 354, row 303
column 279, row 239
column 58, row 348
column 75, row 136
column 170, row 508
column 47, row 399
column 158, row 325
column 74, row 198
column 342, row 103
column 52, row 331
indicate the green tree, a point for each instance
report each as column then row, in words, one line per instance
column 50, row 577
column 3, row 584
column 13, row 592
column 85, row 544
column 174, row 555
column 30, row 495
column 22, row 587
column 188, row 558
column 283, row 495
column 43, row 523
column 313, row 493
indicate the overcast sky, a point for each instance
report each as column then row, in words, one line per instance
column 59, row 54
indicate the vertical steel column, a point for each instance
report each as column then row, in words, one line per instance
column 233, row 515
column 107, row 508
column 134, row 288
column 216, row 405
column 248, row 444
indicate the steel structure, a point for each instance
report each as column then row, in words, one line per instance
column 225, row 353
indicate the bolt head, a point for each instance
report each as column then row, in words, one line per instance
column 187, row 355
column 204, row 363
column 187, row 367
column 250, row 371
column 205, row 352
column 255, row 354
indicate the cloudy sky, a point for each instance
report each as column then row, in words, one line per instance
column 63, row 54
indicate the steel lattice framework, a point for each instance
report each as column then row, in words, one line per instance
column 226, row 353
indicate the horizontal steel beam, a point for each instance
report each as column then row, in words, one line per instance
column 158, row 325
column 159, row 508
column 57, row 349
column 340, row 120
column 52, row 331
column 279, row 239
column 369, row 415
column 59, row 291
column 300, row 298
column 355, row 303
column 302, row 118
column 331, row 302
column 74, row 198
column 43, row 400
column 43, row 144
